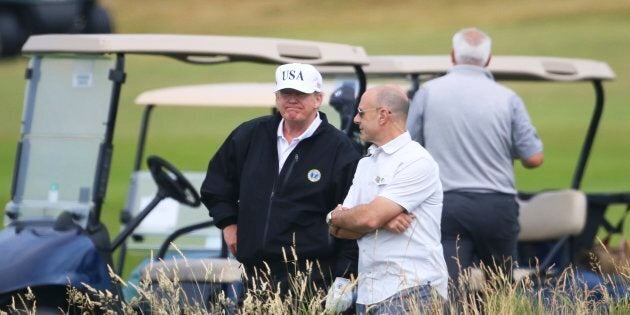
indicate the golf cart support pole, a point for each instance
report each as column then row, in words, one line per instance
column 126, row 214
column 581, row 167
column 590, row 135
column 28, row 75
column 350, row 130
column 142, row 137
column 116, row 75
column 415, row 84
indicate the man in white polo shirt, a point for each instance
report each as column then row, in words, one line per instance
column 393, row 208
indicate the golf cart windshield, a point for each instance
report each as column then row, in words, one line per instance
column 66, row 113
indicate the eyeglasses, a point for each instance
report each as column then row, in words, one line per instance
column 361, row 111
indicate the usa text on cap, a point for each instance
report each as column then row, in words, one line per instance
column 302, row 77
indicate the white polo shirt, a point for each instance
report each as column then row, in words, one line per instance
column 404, row 172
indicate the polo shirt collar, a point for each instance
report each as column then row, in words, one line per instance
column 307, row 133
column 392, row 146
column 472, row 70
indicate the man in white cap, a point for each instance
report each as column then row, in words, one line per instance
column 274, row 179
column 475, row 128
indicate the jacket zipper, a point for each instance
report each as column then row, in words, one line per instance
column 290, row 170
column 273, row 192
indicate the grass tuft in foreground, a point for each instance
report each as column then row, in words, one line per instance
column 162, row 291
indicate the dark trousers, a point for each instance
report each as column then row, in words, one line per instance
column 480, row 226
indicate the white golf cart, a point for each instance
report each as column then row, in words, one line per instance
column 170, row 225
column 565, row 220
column 54, row 236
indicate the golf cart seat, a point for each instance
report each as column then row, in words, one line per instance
column 555, row 216
column 551, row 215
column 210, row 269
column 202, row 279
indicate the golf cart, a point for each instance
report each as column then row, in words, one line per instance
column 171, row 225
column 565, row 221
column 54, row 237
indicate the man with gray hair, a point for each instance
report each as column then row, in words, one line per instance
column 475, row 128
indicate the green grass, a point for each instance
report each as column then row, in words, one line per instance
column 188, row 138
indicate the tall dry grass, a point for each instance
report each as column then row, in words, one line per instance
column 539, row 292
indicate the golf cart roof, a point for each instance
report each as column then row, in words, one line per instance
column 526, row 68
column 218, row 94
column 202, row 48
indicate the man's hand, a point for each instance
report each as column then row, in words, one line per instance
column 229, row 235
column 399, row 223
column 339, row 232
column 367, row 218
column 343, row 233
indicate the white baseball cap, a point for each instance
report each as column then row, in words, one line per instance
column 298, row 76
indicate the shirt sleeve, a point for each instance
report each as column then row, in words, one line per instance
column 416, row 116
column 352, row 197
column 412, row 184
column 525, row 139
column 350, row 200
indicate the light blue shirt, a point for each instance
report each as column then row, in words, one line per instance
column 403, row 172
column 474, row 128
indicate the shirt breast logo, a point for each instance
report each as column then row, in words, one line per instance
column 379, row 180
column 314, row 175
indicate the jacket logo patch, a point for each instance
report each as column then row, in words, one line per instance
column 314, row 175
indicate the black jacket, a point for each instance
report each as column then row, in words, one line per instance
column 275, row 210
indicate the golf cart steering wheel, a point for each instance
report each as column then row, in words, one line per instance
column 172, row 182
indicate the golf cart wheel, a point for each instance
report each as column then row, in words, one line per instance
column 172, row 182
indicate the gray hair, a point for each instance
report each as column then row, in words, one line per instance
column 471, row 46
